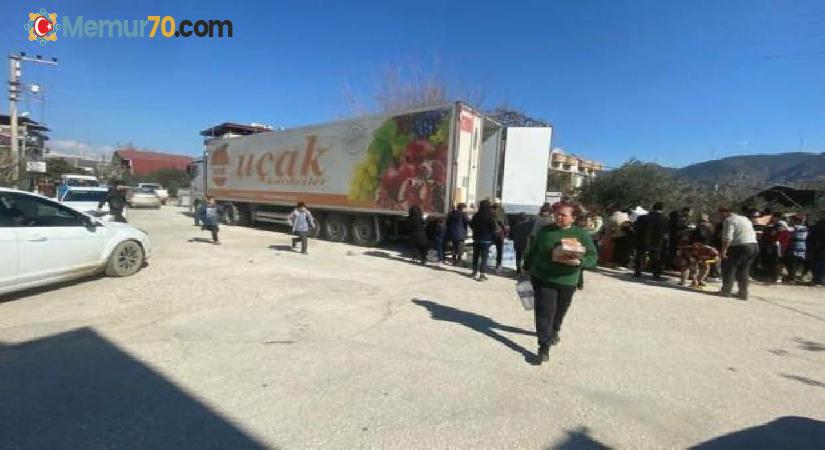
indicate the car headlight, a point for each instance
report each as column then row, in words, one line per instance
column 143, row 231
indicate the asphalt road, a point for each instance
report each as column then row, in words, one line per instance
column 249, row 345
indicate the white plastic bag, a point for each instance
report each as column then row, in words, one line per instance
column 524, row 289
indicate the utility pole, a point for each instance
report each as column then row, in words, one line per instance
column 15, row 74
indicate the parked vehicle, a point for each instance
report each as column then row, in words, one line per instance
column 360, row 176
column 73, row 180
column 142, row 197
column 162, row 193
column 86, row 200
column 42, row 242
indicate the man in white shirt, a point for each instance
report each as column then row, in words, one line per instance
column 739, row 251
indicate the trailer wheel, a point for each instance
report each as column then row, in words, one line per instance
column 244, row 215
column 363, row 231
column 336, row 228
column 230, row 214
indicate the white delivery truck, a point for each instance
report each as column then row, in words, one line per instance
column 360, row 176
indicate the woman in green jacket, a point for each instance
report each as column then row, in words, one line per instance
column 554, row 282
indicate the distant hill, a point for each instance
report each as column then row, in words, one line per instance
column 760, row 170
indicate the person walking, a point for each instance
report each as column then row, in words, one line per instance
column 210, row 213
column 484, row 230
column 418, row 234
column 650, row 231
column 796, row 256
column 679, row 226
column 739, row 250
column 554, row 272
column 777, row 239
column 457, row 223
column 502, row 231
column 437, row 235
column 544, row 218
column 816, row 250
column 116, row 198
column 302, row 222
column 520, row 234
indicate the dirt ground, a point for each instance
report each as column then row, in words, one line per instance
column 250, row 345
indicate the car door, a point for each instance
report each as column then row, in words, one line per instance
column 54, row 241
column 9, row 252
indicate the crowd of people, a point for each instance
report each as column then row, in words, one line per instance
column 768, row 246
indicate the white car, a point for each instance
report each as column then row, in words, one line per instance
column 86, row 199
column 42, row 242
column 159, row 190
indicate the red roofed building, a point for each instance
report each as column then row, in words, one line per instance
column 139, row 162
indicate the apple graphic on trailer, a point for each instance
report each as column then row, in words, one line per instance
column 418, row 150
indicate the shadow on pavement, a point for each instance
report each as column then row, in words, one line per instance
column 78, row 390
column 666, row 282
column 201, row 240
column 47, row 288
column 804, row 380
column 790, row 432
column 578, row 439
column 811, row 346
column 506, row 273
column 477, row 322
column 282, row 248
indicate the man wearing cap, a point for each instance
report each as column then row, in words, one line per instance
column 739, row 250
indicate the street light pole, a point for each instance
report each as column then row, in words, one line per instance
column 14, row 84
column 15, row 73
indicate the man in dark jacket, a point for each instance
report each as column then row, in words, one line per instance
column 650, row 233
column 116, row 200
column 418, row 235
column 679, row 226
column 484, row 230
column 502, row 231
column 457, row 223
column 521, row 232
column 816, row 250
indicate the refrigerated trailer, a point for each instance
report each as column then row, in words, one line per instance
column 360, row 176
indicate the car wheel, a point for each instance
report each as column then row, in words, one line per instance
column 126, row 260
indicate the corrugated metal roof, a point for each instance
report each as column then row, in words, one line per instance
column 143, row 162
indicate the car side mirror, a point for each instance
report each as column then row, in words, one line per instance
column 89, row 222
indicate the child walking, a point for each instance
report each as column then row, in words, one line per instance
column 301, row 221
column 209, row 214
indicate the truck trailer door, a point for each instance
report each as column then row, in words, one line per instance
column 468, row 150
column 524, row 179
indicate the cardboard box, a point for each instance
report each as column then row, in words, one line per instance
column 568, row 248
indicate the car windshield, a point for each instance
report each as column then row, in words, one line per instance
column 143, row 190
column 151, row 186
column 84, row 196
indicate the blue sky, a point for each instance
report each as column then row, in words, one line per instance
column 674, row 82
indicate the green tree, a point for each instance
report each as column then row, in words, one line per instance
column 56, row 167
column 635, row 183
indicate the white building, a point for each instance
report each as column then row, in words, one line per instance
column 568, row 172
